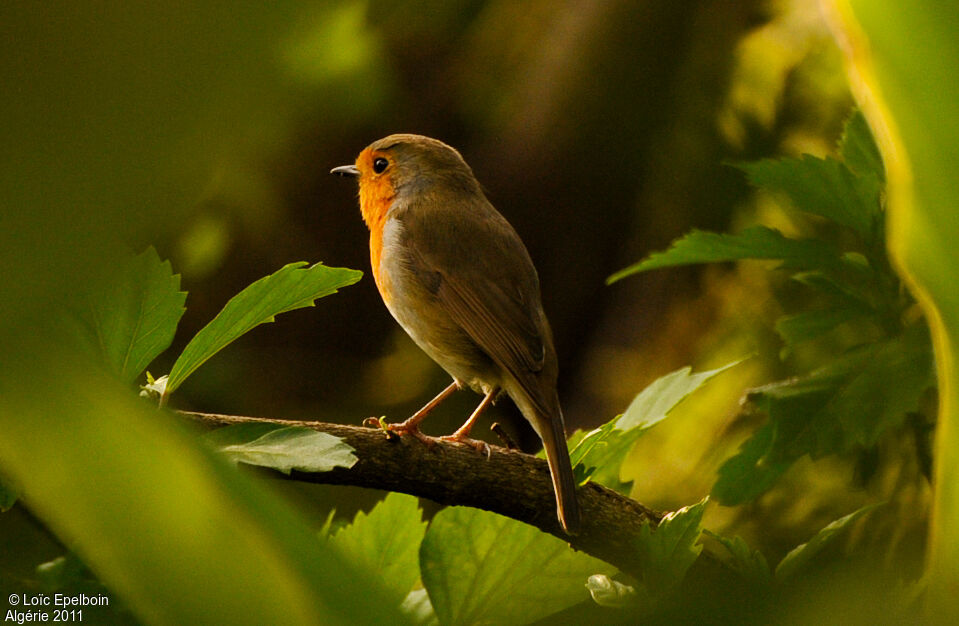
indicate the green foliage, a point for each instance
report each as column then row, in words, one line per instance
column 292, row 287
column 598, row 454
column 862, row 390
column 283, row 448
column 799, row 557
column 748, row 563
column 133, row 317
column 482, row 568
column 758, row 242
column 386, row 541
column 669, row 551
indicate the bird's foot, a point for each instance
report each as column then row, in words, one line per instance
column 480, row 446
column 408, row 427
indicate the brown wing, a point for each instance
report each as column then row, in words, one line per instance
column 486, row 282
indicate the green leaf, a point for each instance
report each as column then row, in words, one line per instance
column 823, row 187
column 749, row 563
column 799, row 557
column 599, row 453
column 386, row 541
column 889, row 385
column 8, row 496
column 134, row 316
column 757, row 242
column 287, row 448
column 667, row 552
column 292, row 287
column 482, row 568
column 808, row 325
column 752, row 471
column 858, row 148
column 654, row 403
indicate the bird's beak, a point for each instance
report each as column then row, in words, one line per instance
column 345, row 170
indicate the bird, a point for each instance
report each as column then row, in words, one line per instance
column 458, row 279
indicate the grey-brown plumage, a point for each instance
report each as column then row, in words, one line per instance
column 456, row 276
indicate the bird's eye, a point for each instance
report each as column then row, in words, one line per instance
column 380, row 164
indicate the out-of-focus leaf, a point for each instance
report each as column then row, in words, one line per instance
column 849, row 402
column 808, row 325
column 889, row 385
column 416, row 605
column 899, row 57
column 667, row 552
column 599, row 453
column 287, row 448
column 757, row 242
column 749, row 563
column 858, row 148
column 751, row 471
column 171, row 528
column 386, row 541
column 133, row 318
column 292, row 287
column 800, row 556
column 482, row 568
column 8, row 496
column 823, row 187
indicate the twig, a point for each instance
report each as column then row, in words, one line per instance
column 508, row 482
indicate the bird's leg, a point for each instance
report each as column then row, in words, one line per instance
column 411, row 425
column 462, row 433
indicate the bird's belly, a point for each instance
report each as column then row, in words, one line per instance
column 430, row 326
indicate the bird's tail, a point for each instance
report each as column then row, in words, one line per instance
column 553, row 433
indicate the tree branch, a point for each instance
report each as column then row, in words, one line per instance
column 507, row 482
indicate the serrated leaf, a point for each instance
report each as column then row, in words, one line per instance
column 134, row 316
column 800, row 556
column 757, row 242
column 667, row 552
column 599, row 453
column 858, row 148
column 654, row 403
column 292, row 287
column 823, row 187
column 749, row 563
column 287, row 448
column 482, row 568
column 386, row 541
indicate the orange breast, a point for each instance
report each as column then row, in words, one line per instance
column 376, row 197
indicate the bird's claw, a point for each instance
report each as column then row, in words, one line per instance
column 480, row 446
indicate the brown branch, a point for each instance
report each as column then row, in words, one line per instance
column 507, row 482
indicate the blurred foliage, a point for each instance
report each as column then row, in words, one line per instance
column 599, row 129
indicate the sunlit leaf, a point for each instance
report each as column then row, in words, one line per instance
column 292, row 287
column 482, row 568
column 757, row 242
column 288, row 448
column 386, row 541
column 667, row 552
column 800, row 556
column 599, row 453
column 134, row 316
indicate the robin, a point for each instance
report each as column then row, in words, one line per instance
column 459, row 280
